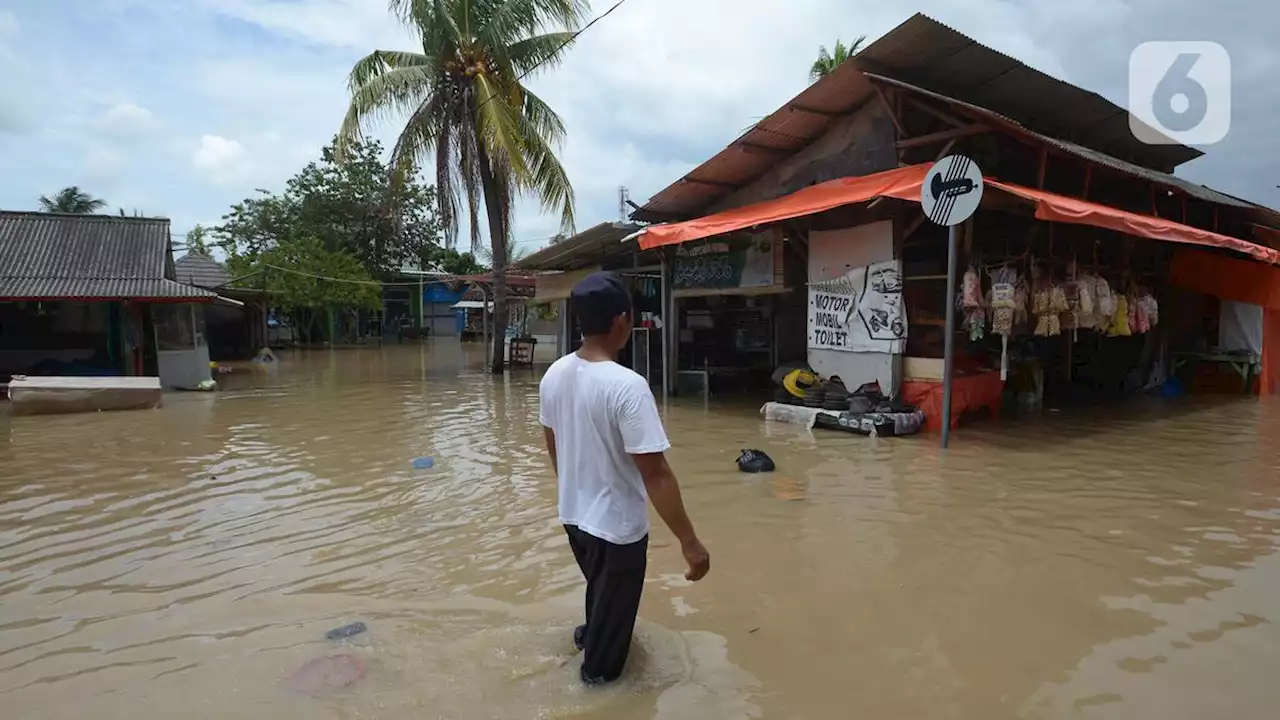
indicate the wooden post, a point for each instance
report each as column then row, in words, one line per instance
column 1088, row 176
column 1044, row 166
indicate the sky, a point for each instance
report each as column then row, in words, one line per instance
column 180, row 108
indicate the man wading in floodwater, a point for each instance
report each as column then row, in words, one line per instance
column 606, row 443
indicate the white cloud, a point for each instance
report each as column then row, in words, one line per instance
column 124, row 119
column 253, row 88
column 223, row 160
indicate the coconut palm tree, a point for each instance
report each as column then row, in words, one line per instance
column 490, row 138
column 827, row 62
column 72, row 200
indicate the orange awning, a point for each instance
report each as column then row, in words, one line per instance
column 905, row 183
column 901, row 183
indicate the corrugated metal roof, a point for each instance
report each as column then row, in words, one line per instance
column 201, row 271
column 931, row 56
column 589, row 247
column 928, row 54
column 99, row 289
column 50, row 255
column 1007, row 124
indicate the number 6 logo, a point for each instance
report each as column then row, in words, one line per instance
column 1179, row 93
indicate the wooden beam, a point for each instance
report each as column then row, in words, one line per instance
column 1044, row 166
column 915, row 225
column 946, row 149
column 1088, row 176
column 893, row 112
column 812, row 111
column 757, row 149
column 944, row 117
column 959, row 132
column 710, row 183
column 1215, row 218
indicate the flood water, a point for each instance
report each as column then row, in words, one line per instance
column 183, row 562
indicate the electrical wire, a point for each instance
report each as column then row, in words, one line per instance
column 563, row 45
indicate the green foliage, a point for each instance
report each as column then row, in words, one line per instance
column 451, row 261
column 304, row 278
column 350, row 205
column 198, row 241
column 489, row 136
column 72, row 200
column 827, row 62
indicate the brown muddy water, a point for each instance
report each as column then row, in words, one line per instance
column 182, row 562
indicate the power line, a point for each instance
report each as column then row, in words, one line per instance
column 563, row 45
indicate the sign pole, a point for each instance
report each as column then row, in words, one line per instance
column 949, row 343
column 950, row 194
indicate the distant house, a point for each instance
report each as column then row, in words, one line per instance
column 236, row 330
column 96, row 295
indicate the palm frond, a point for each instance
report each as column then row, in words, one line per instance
column 540, row 51
column 544, row 121
column 499, row 125
column 513, row 19
column 383, row 92
column 547, row 178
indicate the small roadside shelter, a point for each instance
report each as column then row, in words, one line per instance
column 96, row 295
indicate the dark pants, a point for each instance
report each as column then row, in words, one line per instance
column 615, row 579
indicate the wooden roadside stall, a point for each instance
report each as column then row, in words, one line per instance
column 1069, row 291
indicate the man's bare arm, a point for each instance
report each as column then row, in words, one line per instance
column 550, row 436
column 664, row 493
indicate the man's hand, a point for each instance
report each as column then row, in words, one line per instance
column 698, row 558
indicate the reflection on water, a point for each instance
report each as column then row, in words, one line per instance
column 187, row 560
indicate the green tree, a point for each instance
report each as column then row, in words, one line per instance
column 827, row 62
column 491, row 137
column 72, row 200
column 350, row 204
column 198, row 241
column 451, row 261
column 304, row 279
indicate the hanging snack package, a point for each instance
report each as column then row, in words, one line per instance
column 1105, row 305
column 1141, row 320
column 1003, row 282
column 1120, row 321
column 971, row 289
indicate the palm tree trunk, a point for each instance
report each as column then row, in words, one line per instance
column 496, row 200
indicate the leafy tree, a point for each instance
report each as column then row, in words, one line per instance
column 198, row 241
column 452, row 261
column 350, row 204
column 491, row 137
column 827, row 62
column 72, row 200
column 304, row 278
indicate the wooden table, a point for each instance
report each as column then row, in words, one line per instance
column 1246, row 365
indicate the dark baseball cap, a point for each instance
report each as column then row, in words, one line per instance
column 598, row 299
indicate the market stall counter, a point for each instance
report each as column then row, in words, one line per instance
column 968, row 393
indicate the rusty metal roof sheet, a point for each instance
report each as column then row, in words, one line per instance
column 1195, row 190
column 928, row 55
column 589, row 247
column 201, row 271
column 50, row 255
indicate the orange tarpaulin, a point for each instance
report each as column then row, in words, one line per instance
column 905, row 183
column 1241, row 281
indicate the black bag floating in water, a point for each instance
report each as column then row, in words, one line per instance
column 346, row 631
column 754, row 461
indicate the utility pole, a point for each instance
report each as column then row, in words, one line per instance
column 624, row 197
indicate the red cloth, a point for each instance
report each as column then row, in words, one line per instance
column 968, row 392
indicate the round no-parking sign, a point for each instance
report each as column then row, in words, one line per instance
column 952, row 190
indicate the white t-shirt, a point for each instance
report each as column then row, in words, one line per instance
column 601, row 414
